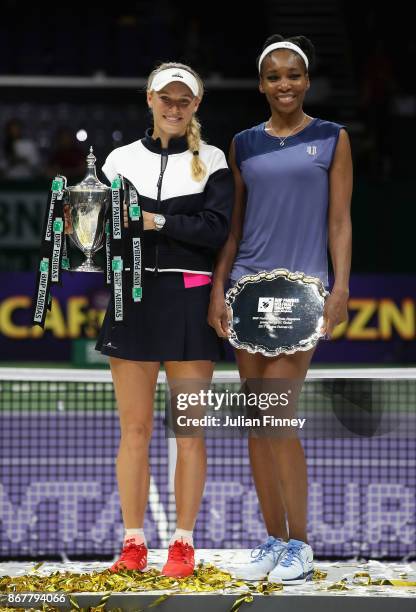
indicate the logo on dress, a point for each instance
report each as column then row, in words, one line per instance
column 109, row 345
column 265, row 304
column 311, row 149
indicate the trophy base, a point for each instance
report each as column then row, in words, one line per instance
column 87, row 266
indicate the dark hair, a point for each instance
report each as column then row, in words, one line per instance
column 301, row 41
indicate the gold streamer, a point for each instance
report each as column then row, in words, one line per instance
column 368, row 581
column 104, row 599
column 159, row 600
column 246, row 598
column 364, row 579
column 74, row 602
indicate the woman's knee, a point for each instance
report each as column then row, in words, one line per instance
column 260, row 446
column 286, row 445
column 136, row 435
column 190, row 445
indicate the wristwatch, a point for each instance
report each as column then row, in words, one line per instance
column 159, row 221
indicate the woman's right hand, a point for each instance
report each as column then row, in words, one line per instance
column 218, row 313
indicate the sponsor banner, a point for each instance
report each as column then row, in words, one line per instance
column 381, row 326
column 21, row 215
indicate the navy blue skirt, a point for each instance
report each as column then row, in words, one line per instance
column 169, row 324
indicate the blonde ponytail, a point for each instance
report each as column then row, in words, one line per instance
column 193, row 135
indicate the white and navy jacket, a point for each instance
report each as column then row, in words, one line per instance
column 198, row 213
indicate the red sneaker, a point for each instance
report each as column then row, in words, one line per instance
column 133, row 557
column 180, row 561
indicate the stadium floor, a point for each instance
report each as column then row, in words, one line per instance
column 343, row 585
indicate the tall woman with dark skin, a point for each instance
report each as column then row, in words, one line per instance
column 278, row 465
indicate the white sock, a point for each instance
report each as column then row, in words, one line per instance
column 182, row 535
column 136, row 534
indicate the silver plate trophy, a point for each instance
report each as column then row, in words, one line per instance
column 88, row 202
column 276, row 312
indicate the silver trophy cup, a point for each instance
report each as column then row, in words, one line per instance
column 88, row 202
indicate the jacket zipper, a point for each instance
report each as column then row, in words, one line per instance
column 163, row 164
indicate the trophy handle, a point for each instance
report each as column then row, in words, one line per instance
column 67, row 214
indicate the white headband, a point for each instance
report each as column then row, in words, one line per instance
column 164, row 77
column 284, row 45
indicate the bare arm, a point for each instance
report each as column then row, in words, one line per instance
column 217, row 314
column 339, row 233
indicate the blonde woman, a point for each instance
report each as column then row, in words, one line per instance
column 185, row 189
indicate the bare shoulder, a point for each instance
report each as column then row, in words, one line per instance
column 343, row 148
column 343, row 137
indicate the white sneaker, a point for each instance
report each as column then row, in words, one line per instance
column 295, row 564
column 265, row 558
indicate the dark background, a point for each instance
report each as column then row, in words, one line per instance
column 363, row 78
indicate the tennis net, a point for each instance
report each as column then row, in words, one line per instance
column 59, row 435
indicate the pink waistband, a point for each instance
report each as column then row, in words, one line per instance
column 195, row 280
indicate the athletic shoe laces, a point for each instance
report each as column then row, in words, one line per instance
column 178, row 551
column 131, row 550
column 292, row 552
column 270, row 546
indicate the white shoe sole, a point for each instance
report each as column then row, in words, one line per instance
column 249, row 579
column 252, row 579
column 300, row 580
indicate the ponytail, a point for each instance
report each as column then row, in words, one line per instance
column 193, row 135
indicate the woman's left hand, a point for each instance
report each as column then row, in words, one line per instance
column 335, row 310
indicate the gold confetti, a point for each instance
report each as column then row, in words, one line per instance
column 319, row 575
column 269, row 587
column 338, row 586
column 206, row 578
